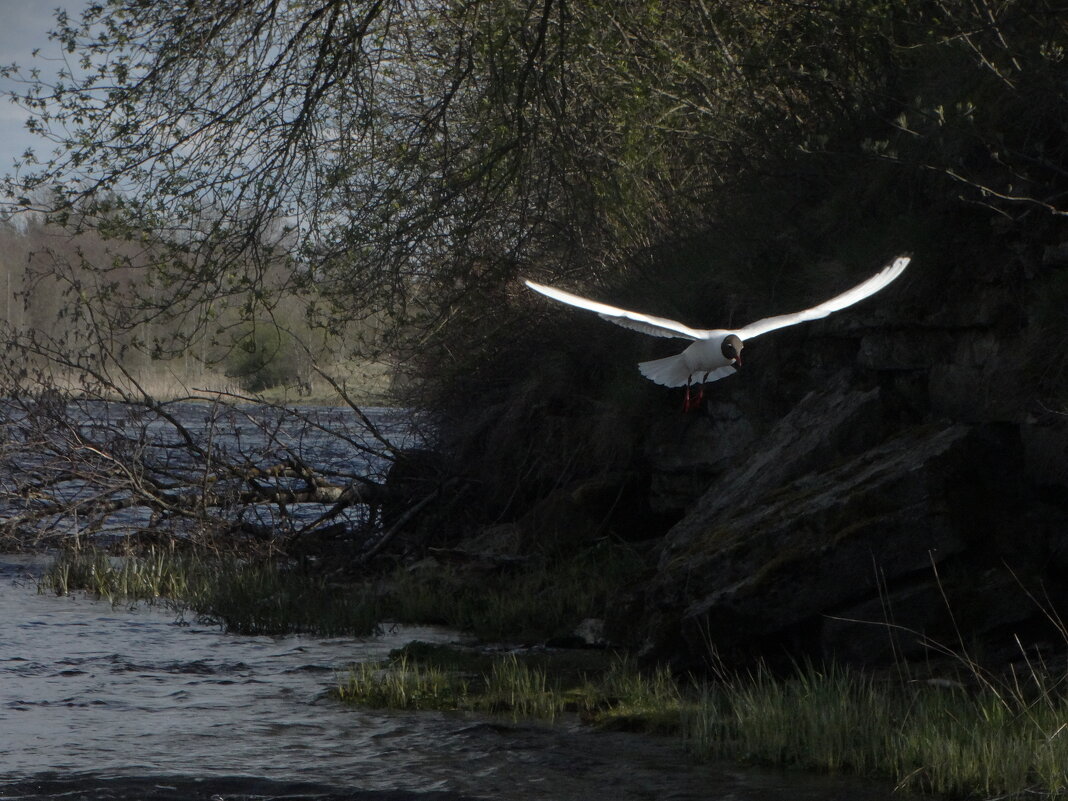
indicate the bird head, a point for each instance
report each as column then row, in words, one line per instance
column 732, row 349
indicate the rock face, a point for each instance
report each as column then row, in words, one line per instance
column 792, row 569
column 916, row 495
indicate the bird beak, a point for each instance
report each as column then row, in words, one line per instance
column 738, row 362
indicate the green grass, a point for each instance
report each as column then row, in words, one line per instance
column 629, row 699
column 989, row 740
column 402, row 685
column 518, row 687
column 539, row 600
column 247, row 597
column 260, row 596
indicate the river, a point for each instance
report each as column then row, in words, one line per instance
column 103, row 702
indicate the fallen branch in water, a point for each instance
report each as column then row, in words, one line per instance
column 75, row 466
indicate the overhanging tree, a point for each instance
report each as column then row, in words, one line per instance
column 400, row 162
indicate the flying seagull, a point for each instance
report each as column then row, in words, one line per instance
column 715, row 353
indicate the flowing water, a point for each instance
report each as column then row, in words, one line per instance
column 103, row 702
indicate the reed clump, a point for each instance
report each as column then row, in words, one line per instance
column 245, row 596
column 629, row 699
column 258, row 595
column 941, row 738
column 984, row 737
column 402, row 684
column 1004, row 738
column 512, row 686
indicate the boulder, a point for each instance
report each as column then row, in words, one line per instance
column 815, row 538
column 923, row 483
column 825, row 425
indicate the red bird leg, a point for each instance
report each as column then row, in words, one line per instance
column 689, row 402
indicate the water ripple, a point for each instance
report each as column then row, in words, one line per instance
column 99, row 703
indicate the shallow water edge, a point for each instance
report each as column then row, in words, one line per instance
column 103, row 702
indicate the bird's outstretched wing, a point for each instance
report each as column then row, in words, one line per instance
column 647, row 324
column 848, row 298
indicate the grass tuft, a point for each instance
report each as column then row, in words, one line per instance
column 402, row 684
column 246, row 597
column 261, row 596
column 1006, row 741
column 943, row 739
column 519, row 688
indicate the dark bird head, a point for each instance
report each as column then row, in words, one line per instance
column 732, row 349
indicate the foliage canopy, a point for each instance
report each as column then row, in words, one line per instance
column 386, row 159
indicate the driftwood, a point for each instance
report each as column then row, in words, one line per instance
column 195, row 503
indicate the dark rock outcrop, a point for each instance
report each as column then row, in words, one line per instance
column 763, row 578
column 917, row 499
column 687, row 452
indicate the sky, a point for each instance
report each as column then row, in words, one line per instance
column 24, row 25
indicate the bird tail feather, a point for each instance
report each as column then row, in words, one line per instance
column 670, row 372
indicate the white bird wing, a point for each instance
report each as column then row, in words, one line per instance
column 847, row 298
column 647, row 324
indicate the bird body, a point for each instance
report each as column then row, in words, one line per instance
column 703, row 358
column 715, row 353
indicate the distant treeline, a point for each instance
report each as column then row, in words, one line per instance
column 51, row 277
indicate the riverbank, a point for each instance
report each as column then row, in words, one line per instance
column 966, row 733
column 129, row 703
column 533, row 600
